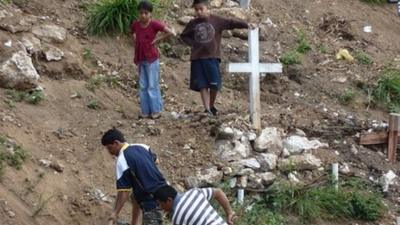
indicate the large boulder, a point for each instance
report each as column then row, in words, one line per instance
column 297, row 144
column 52, row 53
column 270, row 140
column 267, row 161
column 210, row 176
column 251, row 163
column 300, row 162
column 31, row 43
column 50, row 33
column 18, row 72
column 233, row 150
column 267, row 178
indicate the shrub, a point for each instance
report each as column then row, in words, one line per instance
column 93, row 104
column 363, row 58
column 375, row 1
column 13, row 158
column 303, row 45
column 290, row 58
column 111, row 17
column 99, row 80
column 31, row 97
column 387, row 90
column 346, row 97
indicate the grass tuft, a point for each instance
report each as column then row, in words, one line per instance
column 112, row 17
column 291, row 58
column 387, row 89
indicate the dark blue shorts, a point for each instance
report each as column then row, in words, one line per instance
column 204, row 73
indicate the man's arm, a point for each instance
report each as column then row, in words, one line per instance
column 221, row 198
column 137, row 217
column 187, row 35
column 122, row 197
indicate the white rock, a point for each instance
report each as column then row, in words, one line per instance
column 45, row 163
column 50, row 33
column 18, row 72
column 300, row 133
column 210, row 176
column 8, row 44
column 250, row 163
column 344, row 168
column 216, row 3
column 230, row 3
column 387, row 179
column 226, row 133
column 233, row 150
column 270, row 140
column 251, row 136
column 185, row 20
column 4, row 13
column 53, row 54
column 268, row 161
column 237, row 12
column 354, row 149
column 293, row 178
column 31, row 43
column 242, row 182
column 267, row 178
column 233, row 182
column 297, row 144
column 300, row 162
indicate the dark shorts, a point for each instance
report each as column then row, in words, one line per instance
column 205, row 73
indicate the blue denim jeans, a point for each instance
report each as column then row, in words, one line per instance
column 149, row 93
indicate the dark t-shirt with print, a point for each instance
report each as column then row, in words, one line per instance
column 204, row 35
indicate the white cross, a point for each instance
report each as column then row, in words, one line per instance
column 255, row 68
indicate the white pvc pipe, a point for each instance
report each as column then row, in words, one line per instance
column 335, row 174
column 398, row 220
column 240, row 196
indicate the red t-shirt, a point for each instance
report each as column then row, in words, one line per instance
column 144, row 50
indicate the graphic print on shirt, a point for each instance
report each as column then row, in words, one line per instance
column 204, row 33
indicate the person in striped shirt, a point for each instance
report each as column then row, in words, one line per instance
column 193, row 207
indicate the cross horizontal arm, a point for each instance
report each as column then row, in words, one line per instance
column 248, row 68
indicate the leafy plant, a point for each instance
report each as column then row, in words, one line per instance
column 111, row 17
column 346, row 97
column 375, row 1
column 302, row 44
column 100, row 79
column 11, row 154
column 32, row 97
column 323, row 49
column 291, row 58
column 93, row 104
column 387, row 89
column 363, row 58
column 87, row 54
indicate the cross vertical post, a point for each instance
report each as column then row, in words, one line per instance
column 254, row 55
column 394, row 126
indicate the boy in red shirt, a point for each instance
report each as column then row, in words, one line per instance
column 203, row 35
column 145, row 38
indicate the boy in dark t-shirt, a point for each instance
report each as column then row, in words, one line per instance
column 145, row 38
column 203, row 35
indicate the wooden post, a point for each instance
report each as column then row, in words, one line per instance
column 394, row 121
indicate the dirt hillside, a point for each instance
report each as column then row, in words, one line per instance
column 64, row 130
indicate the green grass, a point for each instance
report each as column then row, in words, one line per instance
column 363, row 58
column 112, row 17
column 100, row 80
column 325, row 202
column 87, row 54
column 347, row 97
column 93, row 104
column 303, row 46
column 322, row 49
column 387, row 89
column 31, row 97
column 291, row 58
column 14, row 158
column 374, row 1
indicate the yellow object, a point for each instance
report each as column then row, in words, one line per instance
column 344, row 54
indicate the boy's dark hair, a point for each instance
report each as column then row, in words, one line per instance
column 195, row 2
column 145, row 5
column 111, row 136
column 163, row 193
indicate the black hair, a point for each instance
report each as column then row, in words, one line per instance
column 163, row 193
column 195, row 2
column 145, row 5
column 111, row 136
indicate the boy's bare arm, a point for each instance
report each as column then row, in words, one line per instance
column 167, row 33
column 221, row 198
column 122, row 197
